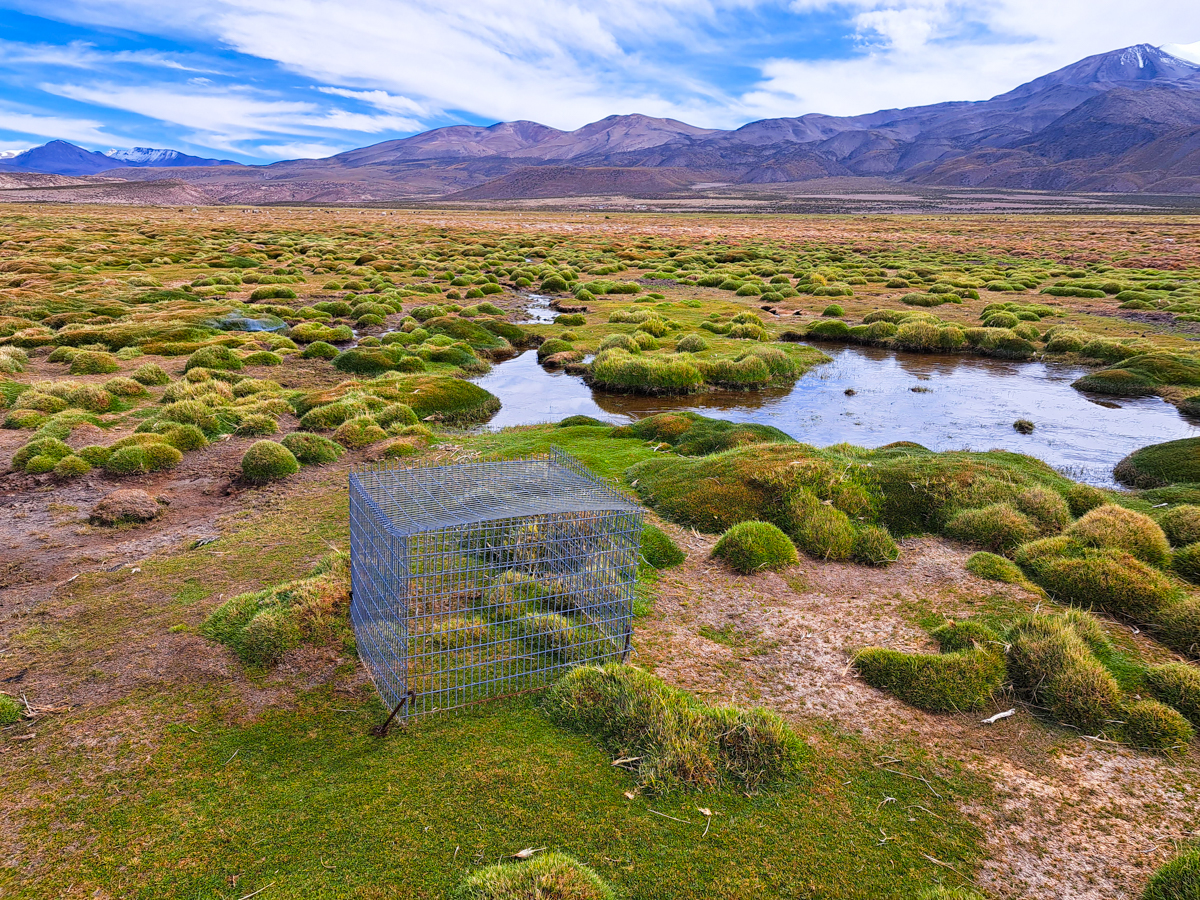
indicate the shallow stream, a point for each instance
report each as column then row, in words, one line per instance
column 946, row 402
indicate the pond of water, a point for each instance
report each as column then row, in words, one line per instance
column 943, row 402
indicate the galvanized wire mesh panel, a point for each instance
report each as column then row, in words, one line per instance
column 479, row 579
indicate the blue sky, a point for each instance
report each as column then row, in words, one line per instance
column 261, row 80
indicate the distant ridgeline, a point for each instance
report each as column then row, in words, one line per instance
column 1124, row 121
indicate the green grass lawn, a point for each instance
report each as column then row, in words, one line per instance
column 304, row 800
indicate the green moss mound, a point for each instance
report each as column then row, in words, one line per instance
column 445, row 399
column 1111, row 580
column 312, row 449
column 137, row 459
column 1116, row 383
column 994, row 568
column 272, row 292
column 828, row 330
column 364, row 361
column 965, row 634
column 548, row 876
column 469, row 332
column 909, row 490
column 262, row 626
column 1178, row 625
column 50, row 447
column 1151, row 725
column 821, row 531
column 439, row 398
column 151, row 375
column 1181, row 525
column 267, row 461
column 256, row 425
column 71, row 467
column 751, row 547
column 577, row 421
column 874, row 546
column 215, row 357
column 1178, row 686
column 1113, row 527
column 691, row 343
column 1179, row 879
column 675, row 740
column 125, row 387
column 692, row 434
column 91, row 397
column 262, row 358
column 997, row 527
column 1158, row 465
column 319, row 350
column 947, row 682
column 1186, row 563
column 10, row 712
column 1082, row 498
column 94, row 362
column 1051, row 665
column 40, row 465
column 619, row 371
column 1045, row 508
column 359, row 432
column 183, row 438
column 658, row 550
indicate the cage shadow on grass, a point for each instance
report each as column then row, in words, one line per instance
column 477, row 580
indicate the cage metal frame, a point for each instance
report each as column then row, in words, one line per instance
column 475, row 580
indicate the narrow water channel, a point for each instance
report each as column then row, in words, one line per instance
column 943, row 402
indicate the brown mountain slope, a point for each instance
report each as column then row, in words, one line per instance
column 164, row 192
column 574, row 181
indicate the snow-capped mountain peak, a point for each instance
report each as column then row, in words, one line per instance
column 152, row 156
column 145, row 156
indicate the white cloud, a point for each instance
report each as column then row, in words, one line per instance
column 905, row 30
column 380, row 100
column 556, row 61
column 86, row 131
column 230, row 114
column 82, row 55
column 1190, row 52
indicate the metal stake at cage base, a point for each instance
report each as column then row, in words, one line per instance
column 475, row 580
column 382, row 730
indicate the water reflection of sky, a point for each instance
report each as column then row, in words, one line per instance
column 965, row 403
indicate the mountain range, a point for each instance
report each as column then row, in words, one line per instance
column 64, row 158
column 1125, row 121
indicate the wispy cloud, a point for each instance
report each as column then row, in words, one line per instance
column 235, row 113
column 85, row 131
column 1190, row 52
column 83, row 55
column 381, row 100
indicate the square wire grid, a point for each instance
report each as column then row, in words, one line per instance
column 474, row 580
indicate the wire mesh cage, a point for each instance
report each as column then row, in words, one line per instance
column 479, row 579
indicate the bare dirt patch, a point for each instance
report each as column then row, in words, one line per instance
column 1071, row 817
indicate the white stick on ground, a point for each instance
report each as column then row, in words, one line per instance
column 998, row 716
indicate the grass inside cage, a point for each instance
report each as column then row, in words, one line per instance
column 488, row 578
